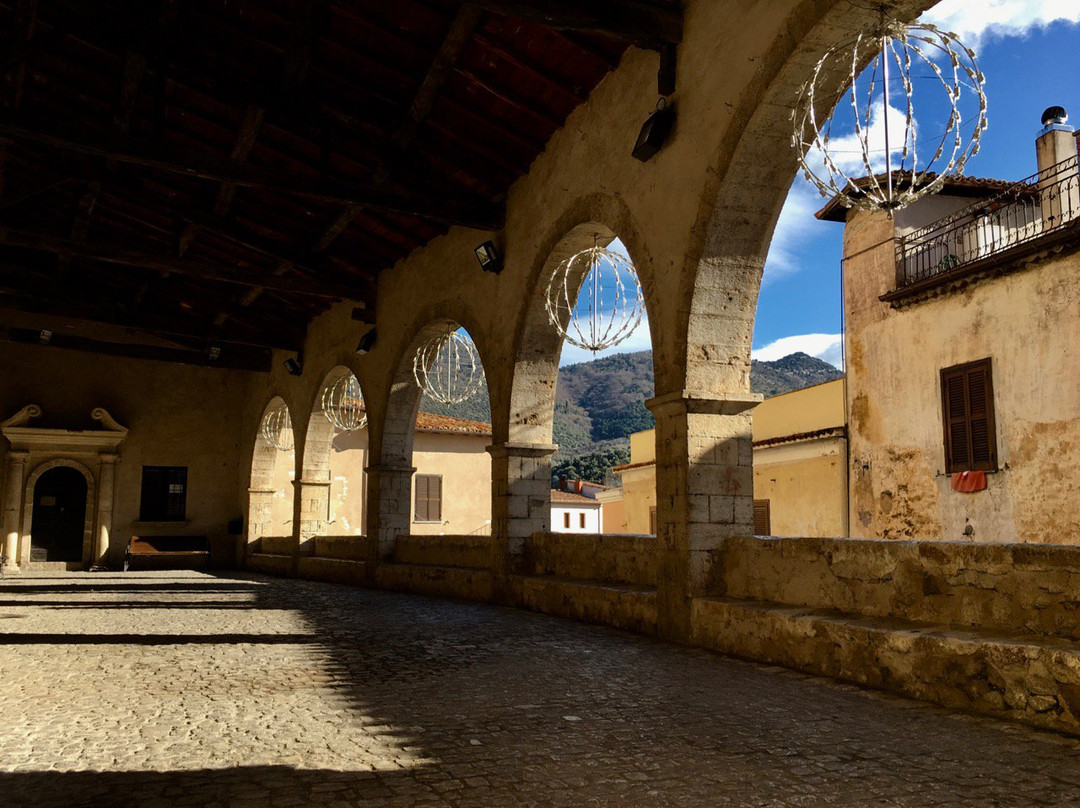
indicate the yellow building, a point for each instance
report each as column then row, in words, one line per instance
column 800, row 463
column 451, row 489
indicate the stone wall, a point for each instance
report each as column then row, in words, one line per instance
column 612, row 558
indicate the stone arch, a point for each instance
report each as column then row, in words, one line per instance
column 28, row 506
column 262, row 488
column 391, row 435
column 704, row 465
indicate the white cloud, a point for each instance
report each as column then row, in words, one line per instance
column 974, row 22
column 846, row 150
column 794, row 226
column 827, row 347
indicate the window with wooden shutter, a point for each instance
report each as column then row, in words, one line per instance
column 164, row 494
column 581, row 521
column 762, row 522
column 967, row 403
column 566, row 520
column 428, row 498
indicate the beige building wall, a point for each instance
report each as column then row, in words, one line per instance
column 176, row 415
column 800, row 411
column 1028, row 324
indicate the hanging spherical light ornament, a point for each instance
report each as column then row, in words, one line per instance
column 277, row 428
column 343, row 404
column 879, row 166
column 447, row 368
column 594, row 299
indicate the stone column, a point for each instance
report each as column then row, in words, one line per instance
column 520, row 501
column 389, row 509
column 314, row 502
column 14, row 480
column 260, row 515
column 103, row 523
column 704, row 494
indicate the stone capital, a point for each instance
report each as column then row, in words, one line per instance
column 700, row 402
column 389, row 471
column 109, row 458
column 17, row 456
column 313, row 483
column 509, row 449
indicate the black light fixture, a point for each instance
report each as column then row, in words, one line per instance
column 292, row 367
column 654, row 132
column 45, row 337
column 214, row 353
column 366, row 343
column 489, row 258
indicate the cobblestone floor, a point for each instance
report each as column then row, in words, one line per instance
column 187, row 689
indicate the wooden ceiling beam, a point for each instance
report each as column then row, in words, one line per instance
column 646, row 24
column 230, row 357
column 181, row 266
column 27, row 302
column 480, row 214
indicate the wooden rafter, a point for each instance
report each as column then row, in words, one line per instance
column 641, row 23
column 180, row 266
column 445, row 209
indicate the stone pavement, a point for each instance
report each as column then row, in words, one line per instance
column 189, row 689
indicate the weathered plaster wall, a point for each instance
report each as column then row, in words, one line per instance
column 465, row 466
column 1028, row 323
column 177, row 416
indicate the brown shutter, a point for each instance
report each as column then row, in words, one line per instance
column 435, row 499
column 428, row 498
column 968, row 408
column 566, row 519
column 421, row 498
column 762, row 526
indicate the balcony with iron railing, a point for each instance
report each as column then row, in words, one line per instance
column 1045, row 203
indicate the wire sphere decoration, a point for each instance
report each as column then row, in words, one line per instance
column 447, row 368
column 277, row 428
column 343, row 404
column 855, row 168
column 607, row 306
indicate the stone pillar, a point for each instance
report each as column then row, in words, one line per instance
column 389, row 512
column 260, row 517
column 14, row 480
column 314, row 509
column 103, row 523
column 520, row 501
column 704, row 494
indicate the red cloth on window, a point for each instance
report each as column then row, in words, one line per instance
column 968, row 482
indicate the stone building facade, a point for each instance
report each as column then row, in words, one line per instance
column 982, row 275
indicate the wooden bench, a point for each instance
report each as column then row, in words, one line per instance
column 171, row 548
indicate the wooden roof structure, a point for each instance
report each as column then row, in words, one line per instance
column 197, row 180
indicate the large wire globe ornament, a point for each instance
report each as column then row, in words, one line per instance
column 603, row 309
column 277, row 428
column 343, row 404
column 891, row 168
column 447, row 368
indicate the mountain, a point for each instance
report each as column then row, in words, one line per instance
column 598, row 404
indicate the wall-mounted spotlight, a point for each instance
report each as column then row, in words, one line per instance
column 214, row 353
column 489, row 258
column 292, row 367
column 366, row 343
column 654, row 132
column 45, row 337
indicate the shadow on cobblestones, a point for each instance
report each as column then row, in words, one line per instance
column 283, row 692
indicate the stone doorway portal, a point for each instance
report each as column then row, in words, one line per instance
column 57, row 530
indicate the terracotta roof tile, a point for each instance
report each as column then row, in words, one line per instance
column 447, row 425
column 961, row 185
column 566, row 498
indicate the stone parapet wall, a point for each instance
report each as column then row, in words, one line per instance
column 346, row 548
column 276, row 545
column 468, row 552
column 612, row 558
column 1022, row 588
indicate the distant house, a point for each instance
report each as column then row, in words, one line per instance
column 575, row 509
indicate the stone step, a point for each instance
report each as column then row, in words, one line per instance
column 450, row 582
column 625, row 606
column 278, row 564
column 1028, row 678
column 331, row 570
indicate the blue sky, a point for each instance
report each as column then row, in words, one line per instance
column 1027, row 50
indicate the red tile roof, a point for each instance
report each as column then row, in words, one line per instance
column 833, row 211
column 446, row 425
column 566, row 498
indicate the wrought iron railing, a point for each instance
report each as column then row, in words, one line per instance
column 1043, row 203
